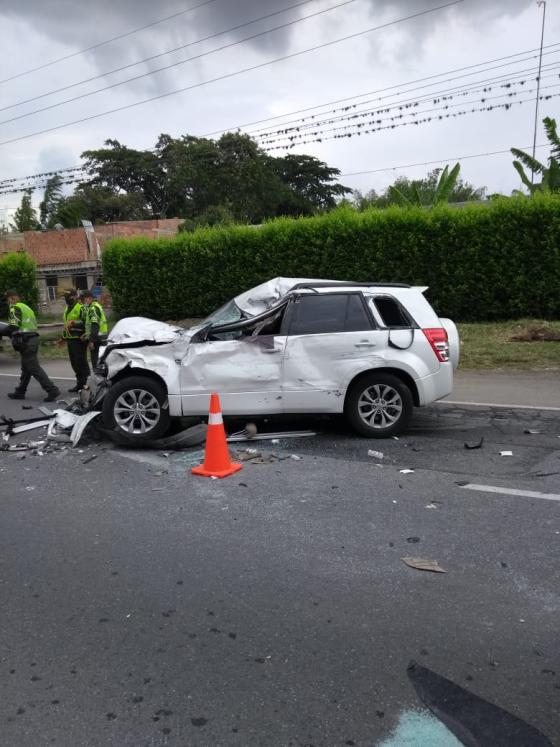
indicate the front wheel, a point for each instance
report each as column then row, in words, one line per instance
column 379, row 405
column 136, row 407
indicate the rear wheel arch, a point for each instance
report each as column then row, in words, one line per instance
column 405, row 377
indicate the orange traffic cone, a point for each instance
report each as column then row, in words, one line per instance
column 216, row 456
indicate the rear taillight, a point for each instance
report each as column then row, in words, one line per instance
column 437, row 337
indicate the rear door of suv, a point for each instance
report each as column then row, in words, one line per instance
column 331, row 337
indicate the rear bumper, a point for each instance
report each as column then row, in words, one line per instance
column 436, row 385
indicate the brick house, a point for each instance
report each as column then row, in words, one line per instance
column 71, row 257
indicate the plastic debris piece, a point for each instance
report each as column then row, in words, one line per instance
column 477, row 445
column 531, row 432
column 424, row 564
column 295, row 457
column 431, row 505
column 506, row 453
column 89, row 459
column 270, row 436
column 413, row 540
column 30, row 426
column 375, row 454
column 406, row 471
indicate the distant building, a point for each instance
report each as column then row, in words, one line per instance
column 71, row 257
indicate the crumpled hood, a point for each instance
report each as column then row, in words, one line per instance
column 140, row 329
column 262, row 297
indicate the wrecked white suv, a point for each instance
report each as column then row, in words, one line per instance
column 290, row 345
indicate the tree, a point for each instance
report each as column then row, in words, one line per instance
column 18, row 270
column 550, row 175
column 311, row 183
column 99, row 205
column 187, row 176
column 25, row 217
column 438, row 187
column 51, row 200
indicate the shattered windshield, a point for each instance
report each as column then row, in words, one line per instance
column 225, row 315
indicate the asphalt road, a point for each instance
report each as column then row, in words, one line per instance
column 144, row 606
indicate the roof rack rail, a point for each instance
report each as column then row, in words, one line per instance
column 343, row 284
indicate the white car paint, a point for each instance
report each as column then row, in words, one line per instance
column 276, row 373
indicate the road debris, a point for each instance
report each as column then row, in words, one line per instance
column 406, row 471
column 424, row 564
column 506, row 453
column 236, row 437
column 531, row 432
column 433, row 504
column 477, row 445
column 413, row 540
column 375, row 454
column 89, row 459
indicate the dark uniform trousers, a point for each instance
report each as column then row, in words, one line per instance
column 77, row 352
column 30, row 366
column 94, row 353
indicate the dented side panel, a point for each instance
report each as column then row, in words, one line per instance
column 246, row 373
column 318, row 368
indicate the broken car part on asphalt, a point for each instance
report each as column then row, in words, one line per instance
column 424, row 564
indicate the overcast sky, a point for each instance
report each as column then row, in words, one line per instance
column 35, row 32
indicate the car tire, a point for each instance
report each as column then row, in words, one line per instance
column 379, row 405
column 136, row 408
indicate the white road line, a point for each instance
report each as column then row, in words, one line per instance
column 495, row 404
column 57, row 378
column 512, row 491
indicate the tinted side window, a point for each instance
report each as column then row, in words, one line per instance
column 392, row 313
column 329, row 313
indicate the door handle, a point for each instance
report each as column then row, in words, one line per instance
column 365, row 344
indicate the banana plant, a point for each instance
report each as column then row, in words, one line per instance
column 442, row 192
column 549, row 173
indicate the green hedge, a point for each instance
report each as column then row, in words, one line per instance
column 481, row 262
column 18, row 271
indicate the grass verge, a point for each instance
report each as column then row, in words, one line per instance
column 489, row 346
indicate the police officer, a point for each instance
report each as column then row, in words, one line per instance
column 25, row 340
column 96, row 325
column 73, row 334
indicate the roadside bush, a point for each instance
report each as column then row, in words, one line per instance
column 481, row 262
column 17, row 271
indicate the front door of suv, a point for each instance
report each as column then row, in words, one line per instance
column 331, row 337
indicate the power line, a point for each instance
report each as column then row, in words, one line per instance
column 226, row 76
column 229, row 45
column 346, row 99
column 311, row 120
column 487, row 85
column 108, row 41
column 450, row 159
column 153, row 57
column 440, row 117
column 388, row 88
column 400, row 105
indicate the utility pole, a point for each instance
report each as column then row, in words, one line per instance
column 543, row 4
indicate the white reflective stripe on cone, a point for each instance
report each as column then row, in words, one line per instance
column 215, row 418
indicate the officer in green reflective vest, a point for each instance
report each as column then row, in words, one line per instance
column 22, row 328
column 73, row 334
column 96, row 325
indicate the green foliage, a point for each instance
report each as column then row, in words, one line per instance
column 215, row 215
column 99, row 205
column 51, row 201
column 25, row 217
column 189, row 176
column 438, row 187
column 549, row 175
column 481, row 262
column 17, row 271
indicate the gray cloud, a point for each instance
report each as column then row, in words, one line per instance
column 71, row 23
